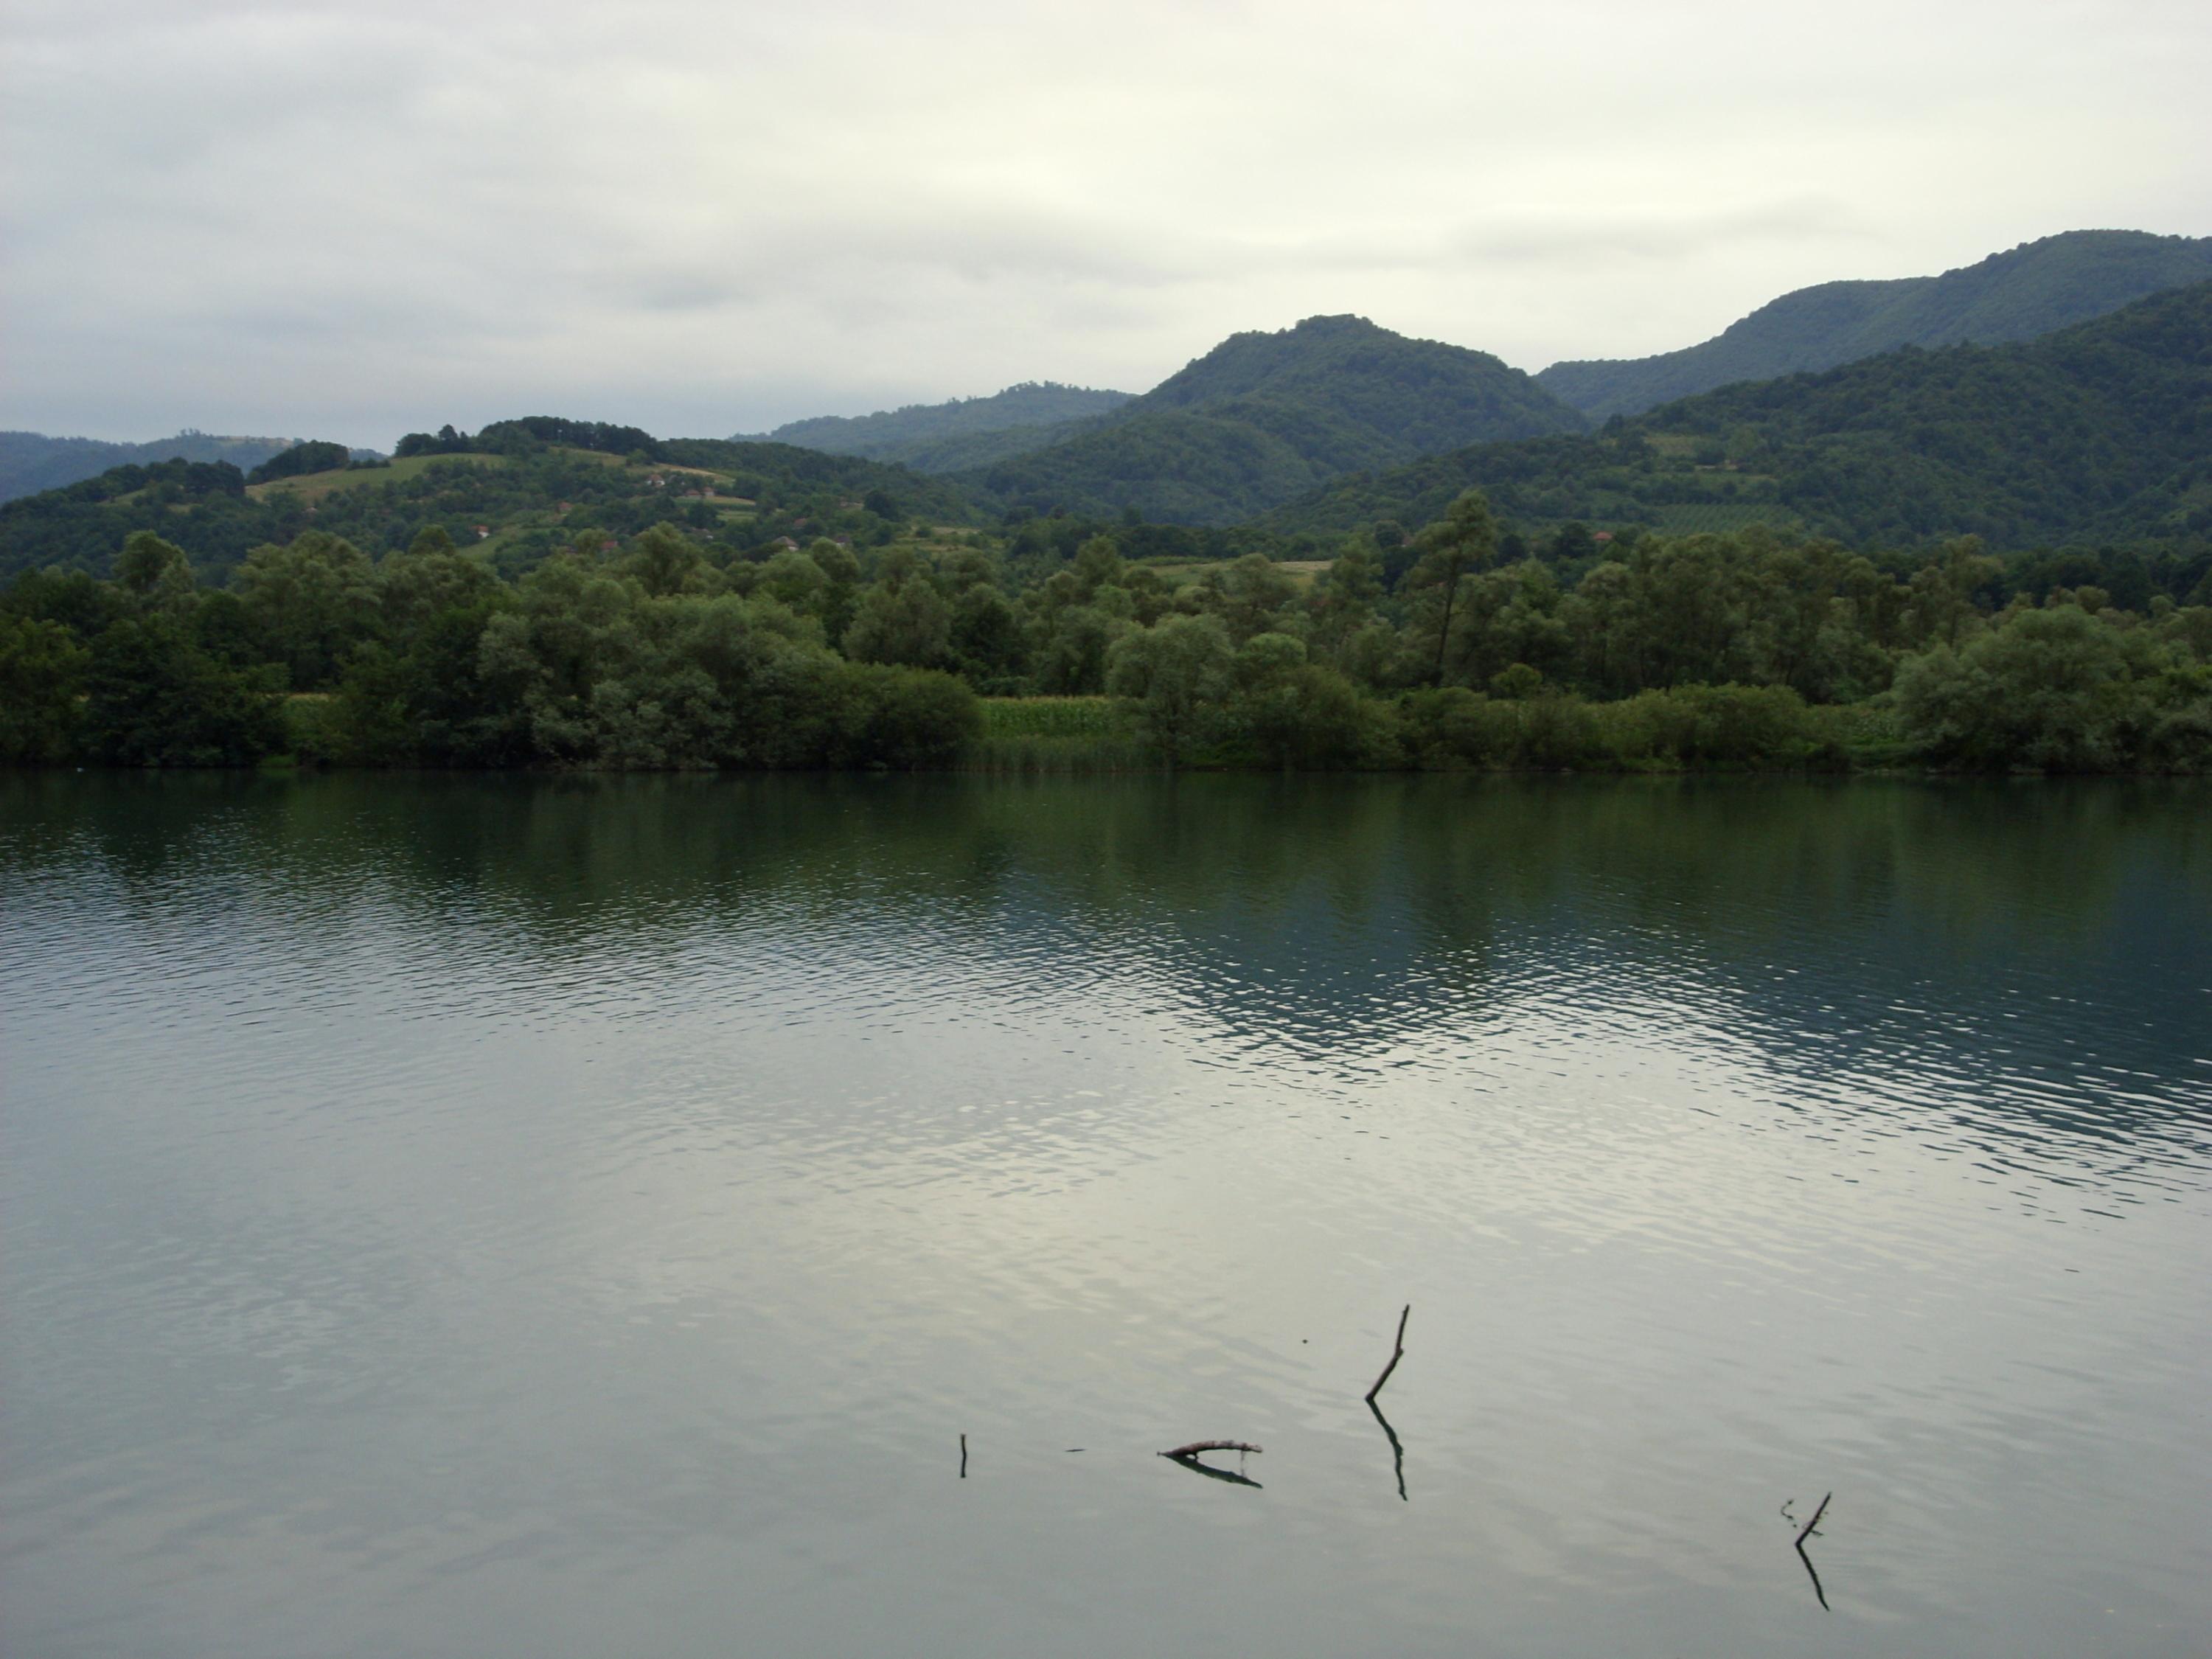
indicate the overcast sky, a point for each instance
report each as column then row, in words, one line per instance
column 350, row 220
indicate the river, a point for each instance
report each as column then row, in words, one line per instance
column 584, row 1217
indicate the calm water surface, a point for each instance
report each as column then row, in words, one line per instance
column 486, row 1217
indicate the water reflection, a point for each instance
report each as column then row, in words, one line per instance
column 570, row 1216
column 1886, row 943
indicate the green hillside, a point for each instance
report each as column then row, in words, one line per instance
column 945, row 437
column 1264, row 417
column 516, row 491
column 2101, row 430
column 31, row 461
column 2033, row 290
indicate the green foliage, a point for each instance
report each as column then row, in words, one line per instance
column 1748, row 650
column 311, row 456
column 2035, row 288
column 42, row 669
column 2057, row 689
column 1176, row 674
column 2097, row 430
column 154, row 698
column 1264, row 417
column 312, row 601
column 530, row 493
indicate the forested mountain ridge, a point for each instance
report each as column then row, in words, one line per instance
column 1264, row 415
column 515, row 491
column 2101, row 430
column 943, row 437
column 2030, row 290
column 31, row 461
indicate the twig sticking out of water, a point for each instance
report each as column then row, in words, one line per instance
column 1806, row 1559
column 1814, row 1522
column 1198, row 1446
column 1396, row 1354
column 963, row 1457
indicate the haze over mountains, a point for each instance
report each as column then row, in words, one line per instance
column 2100, row 428
column 31, row 461
column 945, row 437
column 2033, row 289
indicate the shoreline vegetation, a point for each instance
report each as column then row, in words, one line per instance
column 1042, row 648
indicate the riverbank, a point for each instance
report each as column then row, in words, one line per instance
column 1689, row 729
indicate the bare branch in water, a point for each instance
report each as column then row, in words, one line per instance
column 1198, row 1446
column 1396, row 1354
column 1806, row 1559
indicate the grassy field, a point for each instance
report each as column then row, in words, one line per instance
column 1059, row 734
column 314, row 486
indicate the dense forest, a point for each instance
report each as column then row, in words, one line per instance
column 2035, row 288
column 2101, row 431
column 1047, row 644
column 1265, row 417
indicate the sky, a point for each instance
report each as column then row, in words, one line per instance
column 710, row 216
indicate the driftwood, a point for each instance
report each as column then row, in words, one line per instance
column 1197, row 1446
column 1814, row 1522
column 1396, row 1354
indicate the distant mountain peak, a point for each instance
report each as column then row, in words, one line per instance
column 2019, row 294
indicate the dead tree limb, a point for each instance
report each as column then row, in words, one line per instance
column 1818, row 1589
column 1397, row 1354
column 1198, row 1446
column 1814, row 1522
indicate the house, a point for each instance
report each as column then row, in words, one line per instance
column 483, row 531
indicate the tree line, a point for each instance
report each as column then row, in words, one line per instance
column 1459, row 647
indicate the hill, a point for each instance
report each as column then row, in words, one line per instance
column 2032, row 290
column 2101, row 430
column 516, row 491
column 1263, row 417
column 31, row 461
column 945, row 437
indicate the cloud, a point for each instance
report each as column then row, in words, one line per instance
column 713, row 217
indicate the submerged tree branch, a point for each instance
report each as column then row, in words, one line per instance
column 1396, row 1354
column 1198, row 1446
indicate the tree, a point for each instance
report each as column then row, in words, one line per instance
column 2049, row 688
column 1177, row 673
column 41, row 675
column 907, row 623
column 153, row 698
column 665, row 560
column 1452, row 550
column 312, row 600
column 154, row 572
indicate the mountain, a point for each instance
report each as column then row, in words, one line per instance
column 2036, row 288
column 945, row 437
column 516, row 491
column 31, row 461
column 1264, row 417
column 2101, row 430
